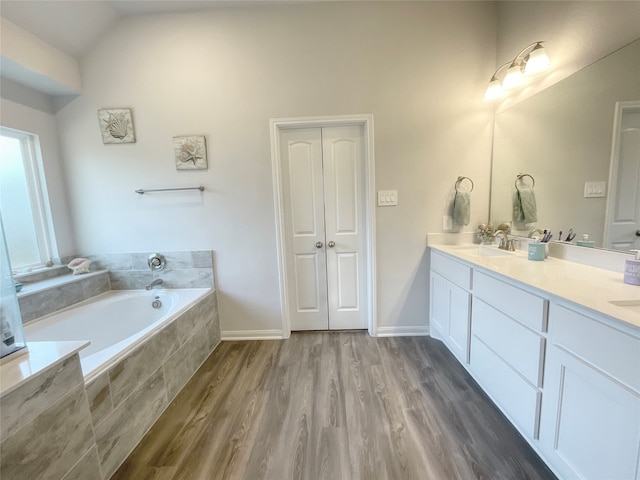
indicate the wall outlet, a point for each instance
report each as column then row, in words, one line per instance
column 387, row 198
column 447, row 223
column 595, row 189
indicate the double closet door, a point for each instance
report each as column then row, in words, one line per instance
column 324, row 198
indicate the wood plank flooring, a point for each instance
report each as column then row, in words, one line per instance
column 327, row 405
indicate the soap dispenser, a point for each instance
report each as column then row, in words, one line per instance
column 585, row 242
column 632, row 270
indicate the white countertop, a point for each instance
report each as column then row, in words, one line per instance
column 40, row 356
column 590, row 287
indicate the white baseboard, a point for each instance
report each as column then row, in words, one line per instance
column 277, row 334
column 252, row 335
column 418, row 331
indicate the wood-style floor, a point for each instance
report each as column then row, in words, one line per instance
column 340, row 406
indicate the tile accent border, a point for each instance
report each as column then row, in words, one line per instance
column 129, row 271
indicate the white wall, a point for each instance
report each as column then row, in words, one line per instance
column 577, row 34
column 38, row 119
column 26, row 58
column 419, row 67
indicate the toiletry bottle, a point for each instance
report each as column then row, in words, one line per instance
column 585, row 242
column 632, row 270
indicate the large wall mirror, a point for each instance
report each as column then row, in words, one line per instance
column 562, row 137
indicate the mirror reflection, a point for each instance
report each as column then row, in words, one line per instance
column 562, row 138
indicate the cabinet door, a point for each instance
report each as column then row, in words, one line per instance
column 457, row 338
column 439, row 303
column 590, row 426
column 450, row 313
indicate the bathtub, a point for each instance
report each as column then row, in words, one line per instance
column 115, row 322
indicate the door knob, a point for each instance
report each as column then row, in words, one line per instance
column 637, row 233
column 331, row 244
column 318, row 244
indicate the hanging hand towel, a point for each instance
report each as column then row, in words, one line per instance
column 524, row 206
column 462, row 208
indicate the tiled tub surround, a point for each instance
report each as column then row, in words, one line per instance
column 53, row 294
column 44, row 293
column 130, row 271
column 80, row 428
column 55, row 423
column 114, row 323
column 127, row 399
column 46, row 429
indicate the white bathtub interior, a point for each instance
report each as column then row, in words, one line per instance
column 114, row 322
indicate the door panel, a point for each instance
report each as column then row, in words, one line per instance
column 342, row 149
column 301, row 155
column 303, row 194
column 323, row 188
column 624, row 205
column 345, row 186
column 348, row 281
column 308, row 282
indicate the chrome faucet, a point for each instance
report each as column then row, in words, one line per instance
column 505, row 243
column 157, row 281
column 533, row 231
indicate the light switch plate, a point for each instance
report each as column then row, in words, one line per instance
column 595, row 189
column 387, row 198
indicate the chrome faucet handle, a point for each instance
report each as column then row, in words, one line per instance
column 533, row 231
column 511, row 245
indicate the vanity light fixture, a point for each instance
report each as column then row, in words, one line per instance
column 531, row 60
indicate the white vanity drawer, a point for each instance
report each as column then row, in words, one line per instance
column 510, row 391
column 612, row 351
column 457, row 272
column 515, row 302
column 519, row 347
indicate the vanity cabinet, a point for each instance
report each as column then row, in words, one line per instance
column 567, row 377
column 591, row 409
column 507, row 348
column 450, row 304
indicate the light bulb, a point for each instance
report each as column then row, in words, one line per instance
column 514, row 77
column 537, row 61
column 494, row 91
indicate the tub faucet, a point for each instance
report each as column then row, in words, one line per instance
column 157, row 281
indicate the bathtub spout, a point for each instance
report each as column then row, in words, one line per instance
column 157, row 281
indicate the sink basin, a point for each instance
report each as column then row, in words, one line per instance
column 633, row 305
column 487, row 251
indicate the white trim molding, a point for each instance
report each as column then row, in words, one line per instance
column 251, row 335
column 276, row 125
column 417, row 331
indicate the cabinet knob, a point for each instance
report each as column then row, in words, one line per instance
column 331, row 244
column 318, row 244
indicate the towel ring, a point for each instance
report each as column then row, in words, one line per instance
column 520, row 176
column 460, row 179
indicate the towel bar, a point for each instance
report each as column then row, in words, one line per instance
column 520, row 176
column 142, row 191
column 460, row 179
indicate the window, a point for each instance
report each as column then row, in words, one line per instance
column 22, row 203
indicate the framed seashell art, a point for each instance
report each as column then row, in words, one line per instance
column 190, row 152
column 116, row 125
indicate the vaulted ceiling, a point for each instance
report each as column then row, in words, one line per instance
column 74, row 26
